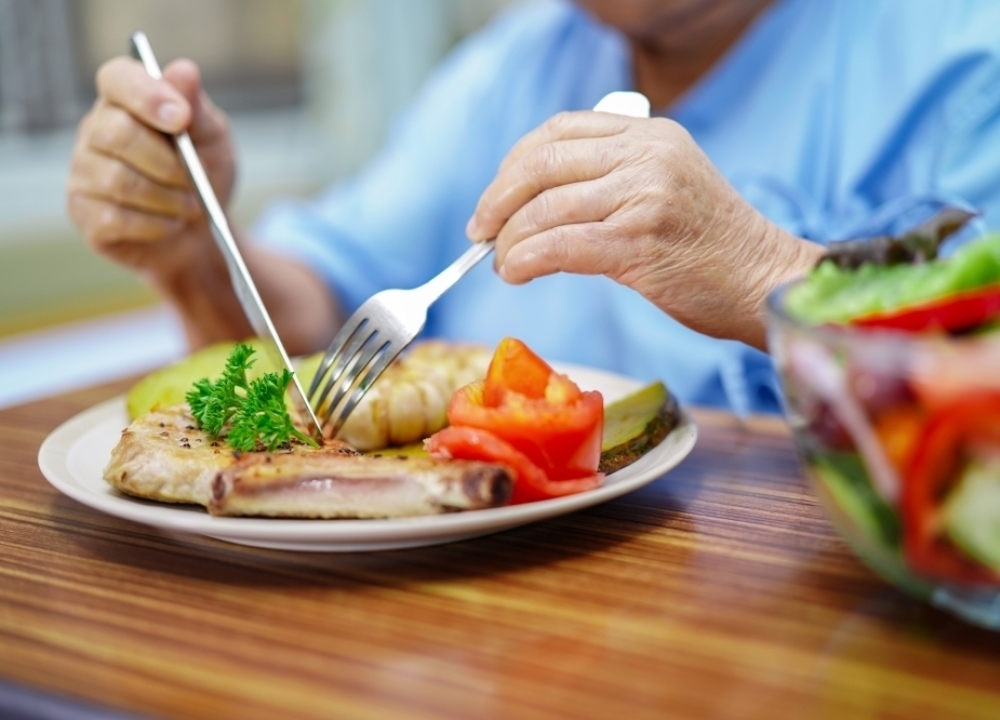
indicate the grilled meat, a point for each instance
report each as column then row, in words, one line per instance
column 164, row 456
column 325, row 486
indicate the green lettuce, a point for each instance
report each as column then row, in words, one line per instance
column 834, row 295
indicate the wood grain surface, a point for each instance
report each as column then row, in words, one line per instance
column 719, row 591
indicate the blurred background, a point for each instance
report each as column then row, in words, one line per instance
column 311, row 86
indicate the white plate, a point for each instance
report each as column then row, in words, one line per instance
column 73, row 457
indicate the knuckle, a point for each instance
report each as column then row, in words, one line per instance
column 541, row 161
column 104, row 227
column 113, row 128
column 671, row 130
column 109, row 180
column 539, row 211
column 74, row 208
column 85, row 128
column 109, row 72
column 127, row 184
column 557, row 247
column 559, row 122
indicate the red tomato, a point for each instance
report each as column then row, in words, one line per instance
column 514, row 367
column 538, row 413
column 952, row 313
column 530, row 483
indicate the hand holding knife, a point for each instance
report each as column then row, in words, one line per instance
column 243, row 285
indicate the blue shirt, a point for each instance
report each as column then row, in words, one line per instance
column 834, row 119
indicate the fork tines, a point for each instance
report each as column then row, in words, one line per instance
column 354, row 359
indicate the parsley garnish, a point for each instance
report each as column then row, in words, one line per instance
column 251, row 415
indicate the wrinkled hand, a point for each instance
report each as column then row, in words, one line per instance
column 128, row 192
column 638, row 201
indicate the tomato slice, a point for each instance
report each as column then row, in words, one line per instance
column 531, row 418
column 530, row 482
column 935, row 465
column 516, row 368
column 562, row 438
column 954, row 313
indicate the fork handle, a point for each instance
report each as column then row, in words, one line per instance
column 439, row 284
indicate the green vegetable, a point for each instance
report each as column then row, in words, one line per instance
column 972, row 513
column 833, row 294
column 250, row 414
column 865, row 520
column 213, row 404
column 636, row 424
column 847, row 481
column 169, row 385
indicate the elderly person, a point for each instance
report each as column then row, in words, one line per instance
column 647, row 247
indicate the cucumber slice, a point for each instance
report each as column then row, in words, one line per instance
column 635, row 424
column 869, row 525
column 972, row 513
column 845, row 478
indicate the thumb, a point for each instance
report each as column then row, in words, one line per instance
column 208, row 123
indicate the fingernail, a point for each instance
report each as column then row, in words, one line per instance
column 502, row 272
column 170, row 113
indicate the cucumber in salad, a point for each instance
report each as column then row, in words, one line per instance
column 972, row 513
column 845, row 478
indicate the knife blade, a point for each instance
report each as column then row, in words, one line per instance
column 243, row 285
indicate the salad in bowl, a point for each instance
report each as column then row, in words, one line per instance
column 890, row 361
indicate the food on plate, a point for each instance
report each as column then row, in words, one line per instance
column 406, row 404
column 522, row 433
column 410, row 399
column 314, row 485
column 893, row 376
column 164, row 456
column 636, row 424
column 633, row 425
column 168, row 386
column 530, row 418
column 250, row 414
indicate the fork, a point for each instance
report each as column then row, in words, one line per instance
column 387, row 322
column 377, row 333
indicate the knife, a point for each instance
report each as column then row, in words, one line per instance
column 243, row 285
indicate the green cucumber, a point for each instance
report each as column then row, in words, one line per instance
column 869, row 525
column 635, row 424
column 845, row 478
column 972, row 513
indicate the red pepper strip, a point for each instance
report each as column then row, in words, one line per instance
column 933, row 470
column 530, row 482
column 950, row 314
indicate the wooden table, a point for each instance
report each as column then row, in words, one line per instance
column 719, row 591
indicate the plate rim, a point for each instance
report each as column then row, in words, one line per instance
column 351, row 533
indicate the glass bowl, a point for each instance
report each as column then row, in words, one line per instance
column 900, row 436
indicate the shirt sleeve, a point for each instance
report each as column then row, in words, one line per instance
column 385, row 226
